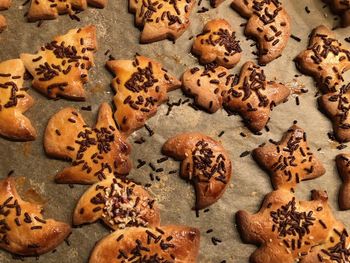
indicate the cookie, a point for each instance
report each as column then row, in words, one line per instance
column 204, row 162
column 96, row 153
column 341, row 8
column 269, row 23
column 336, row 106
column 207, row 86
column 3, row 23
column 51, row 9
column 164, row 244
column 217, row 43
column 326, row 59
column 14, row 101
column 24, row 231
column 290, row 160
column 118, row 203
column 343, row 166
column 141, row 85
column 60, row 68
column 5, row 4
column 286, row 229
column 160, row 20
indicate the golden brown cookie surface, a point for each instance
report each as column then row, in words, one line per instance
column 14, row 101
column 141, row 85
column 60, row 68
column 119, row 203
column 217, row 43
column 3, row 23
column 96, row 153
column 269, row 23
column 23, row 230
column 290, row 160
column 164, row 244
column 205, row 163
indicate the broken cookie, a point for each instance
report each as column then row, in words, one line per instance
column 61, row 67
column 161, row 19
column 286, row 230
column 217, row 43
column 23, row 230
column 326, row 59
column 336, row 105
column 14, row 101
column 162, row 244
column 204, row 162
column 119, row 203
column 269, row 23
column 290, row 160
column 96, row 153
column 341, row 8
column 141, row 85
column 343, row 166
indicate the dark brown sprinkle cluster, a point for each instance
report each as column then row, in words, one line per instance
column 142, row 250
column 340, row 252
column 11, row 206
column 13, row 99
column 341, row 98
column 206, row 165
column 155, row 11
column 287, row 159
column 225, row 38
column 292, row 225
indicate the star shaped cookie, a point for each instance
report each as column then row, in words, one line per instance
column 60, row 68
column 287, row 230
column 204, row 162
column 119, row 203
column 23, row 230
column 161, row 19
column 141, row 85
column 136, row 244
column 217, row 43
column 336, row 105
column 14, row 101
column 326, row 59
column 268, row 23
column 290, row 160
column 96, row 153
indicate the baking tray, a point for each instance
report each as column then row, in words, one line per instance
column 116, row 32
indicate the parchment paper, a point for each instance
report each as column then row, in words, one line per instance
column 249, row 183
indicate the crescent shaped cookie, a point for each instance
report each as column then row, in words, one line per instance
column 290, row 160
column 141, row 85
column 178, row 244
column 60, row 68
column 96, row 153
column 286, row 229
column 161, row 19
column 326, row 59
column 217, row 43
column 23, row 230
column 119, row 203
column 14, row 101
column 204, row 162
column 268, row 23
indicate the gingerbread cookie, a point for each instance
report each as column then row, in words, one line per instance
column 326, row 59
column 268, row 23
column 23, row 230
column 290, row 160
column 14, row 101
column 51, row 9
column 286, row 229
column 119, row 203
column 61, row 67
column 164, row 244
column 96, row 153
column 341, row 8
column 336, row 105
column 343, row 166
column 204, row 162
column 217, row 43
column 141, row 85
column 161, row 19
